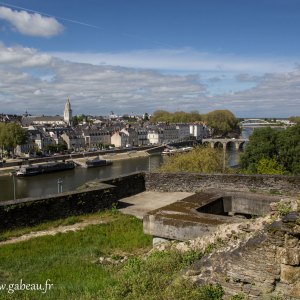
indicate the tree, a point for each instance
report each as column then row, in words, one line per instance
column 289, row 149
column 222, row 122
column 176, row 117
column 283, row 147
column 295, row 119
column 201, row 160
column 269, row 166
column 11, row 135
column 262, row 144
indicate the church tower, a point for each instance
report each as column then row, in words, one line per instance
column 68, row 113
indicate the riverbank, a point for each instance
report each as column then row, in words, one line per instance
column 5, row 171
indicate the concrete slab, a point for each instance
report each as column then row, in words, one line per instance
column 139, row 205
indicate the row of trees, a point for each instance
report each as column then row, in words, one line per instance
column 222, row 122
column 11, row 135
column 201, row 159
column 271, row 151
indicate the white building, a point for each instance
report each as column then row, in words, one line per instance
column 120, row 139
column 199, row 131
column 155, row 136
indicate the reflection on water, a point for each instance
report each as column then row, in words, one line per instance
column 46, row 184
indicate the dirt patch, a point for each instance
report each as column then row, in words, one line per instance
column 59, row 229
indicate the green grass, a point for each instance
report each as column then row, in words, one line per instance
column 68, row 259
column 43, row 226
column 71, row 261
column 159, row 277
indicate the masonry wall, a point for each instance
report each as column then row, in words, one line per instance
column 30, row 211
column 192, row 182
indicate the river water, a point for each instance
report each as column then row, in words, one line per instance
column 46, row 184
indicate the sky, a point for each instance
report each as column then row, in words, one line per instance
column 138, row 56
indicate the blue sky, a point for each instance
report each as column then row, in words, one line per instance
column 138, row 56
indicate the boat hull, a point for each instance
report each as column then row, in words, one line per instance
column 44, row 169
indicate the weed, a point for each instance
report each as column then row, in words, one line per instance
column 284, row 208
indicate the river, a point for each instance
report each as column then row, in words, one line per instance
column 46, row 184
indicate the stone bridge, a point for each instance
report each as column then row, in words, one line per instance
column 225, row 143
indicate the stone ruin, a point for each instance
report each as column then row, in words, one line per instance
column 256, row 249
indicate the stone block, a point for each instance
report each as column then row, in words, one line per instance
column 289, row 274
column 291, row 242
column 295, row 290
column 289, row 256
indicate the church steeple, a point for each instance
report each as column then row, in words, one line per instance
column 68, row 112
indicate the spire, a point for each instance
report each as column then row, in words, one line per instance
column 68, row 112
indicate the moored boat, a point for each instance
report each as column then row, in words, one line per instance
column 30, row 170
column 97, row 162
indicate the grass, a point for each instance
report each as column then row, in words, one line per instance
column 43, row 226
column 71, row 262
column 68, row 260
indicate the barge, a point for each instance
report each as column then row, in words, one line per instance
column 97, row 162
column 30, row 170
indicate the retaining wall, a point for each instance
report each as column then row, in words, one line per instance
column 193, row 182
column 30, row 211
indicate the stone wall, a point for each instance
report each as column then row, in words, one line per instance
column 30, row 211
column 265, row 266
column 192, row 182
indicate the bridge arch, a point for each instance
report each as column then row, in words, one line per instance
column 218, row 145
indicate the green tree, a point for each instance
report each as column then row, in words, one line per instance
column 295, row 119
column 200, row 160
column 289, row 149
column 222, row 122
column 269, row 166
column 262, row 144
column 280, row 146
column 176, row 117
column 11, row 135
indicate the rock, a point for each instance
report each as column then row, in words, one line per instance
column 291, row 242
column 291, row 217
column 289, row 256
column 295, row 291
column 289, row 274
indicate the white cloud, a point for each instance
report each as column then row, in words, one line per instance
column 186, row 59
column 22, row 57
column 41, row 83
column 32, row 24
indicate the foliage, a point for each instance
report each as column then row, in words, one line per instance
column 200, row 160
column 289, row 149
column 56, row 148
column 79, row 119
column 176, row 117
column 295, row 119
column 222, row 122
column 262, row 144
column 281, row 149
column 11, row 135
column 284, row 208
column 156, row 277
column 269, row 166
column 237, row 297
